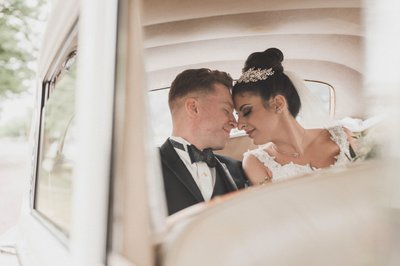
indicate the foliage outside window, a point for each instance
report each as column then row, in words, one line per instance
column 21, row 27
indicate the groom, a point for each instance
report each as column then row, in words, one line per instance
column 201, row 108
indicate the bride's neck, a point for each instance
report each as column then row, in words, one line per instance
column 292, row 137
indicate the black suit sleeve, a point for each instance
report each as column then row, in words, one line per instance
column 236, row 170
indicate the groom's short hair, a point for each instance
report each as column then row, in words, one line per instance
column 200, row 80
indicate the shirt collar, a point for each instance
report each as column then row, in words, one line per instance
column 181, row 140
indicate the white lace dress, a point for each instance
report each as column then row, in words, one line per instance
column 286, row 171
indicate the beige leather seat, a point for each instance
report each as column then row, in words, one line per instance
column 335, row 217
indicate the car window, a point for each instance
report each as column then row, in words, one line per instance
column 325, row 92
column 57, row 148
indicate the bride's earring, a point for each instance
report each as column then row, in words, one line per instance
column 278, row 110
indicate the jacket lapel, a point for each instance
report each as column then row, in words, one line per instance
column 172, row 160
column 222, row 169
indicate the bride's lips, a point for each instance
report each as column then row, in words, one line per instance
column 249, row 132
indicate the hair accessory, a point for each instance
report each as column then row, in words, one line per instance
column 254, row 75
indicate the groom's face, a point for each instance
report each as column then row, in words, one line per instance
column 216, row 117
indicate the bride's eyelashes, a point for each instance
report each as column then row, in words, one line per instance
column 247, row 110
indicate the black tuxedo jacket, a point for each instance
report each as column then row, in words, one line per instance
column 180, row 188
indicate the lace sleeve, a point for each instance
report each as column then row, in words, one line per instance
column 339, row 136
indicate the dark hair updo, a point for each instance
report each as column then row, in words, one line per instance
column 276, row 84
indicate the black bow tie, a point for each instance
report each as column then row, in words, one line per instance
column 196, row 155
column 206, row 156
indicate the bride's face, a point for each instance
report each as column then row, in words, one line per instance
column 259, row 122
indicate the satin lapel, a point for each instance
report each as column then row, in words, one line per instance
column 171, row 159
column 222, row 169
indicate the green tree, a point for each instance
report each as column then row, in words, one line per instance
column 19, row 42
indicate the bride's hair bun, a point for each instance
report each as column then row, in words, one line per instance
column 269, row 85
column 271, row 57
column 275, row 54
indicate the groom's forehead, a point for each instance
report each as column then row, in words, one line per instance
column 221, row 95
column 221, row 89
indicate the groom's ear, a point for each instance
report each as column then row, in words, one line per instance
column 191, row 106
column 279, row 103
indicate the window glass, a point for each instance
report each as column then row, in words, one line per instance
column 325, row 92
column 56, row 158
column 160, row 116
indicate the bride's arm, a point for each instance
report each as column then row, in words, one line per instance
column 256, row 171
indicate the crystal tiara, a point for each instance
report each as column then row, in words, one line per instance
column 254, row 75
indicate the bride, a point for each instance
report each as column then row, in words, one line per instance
column 268, row 100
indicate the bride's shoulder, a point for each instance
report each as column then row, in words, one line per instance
column 321, row 138
column 332, row 137
column 318, row 135
column 327, row 134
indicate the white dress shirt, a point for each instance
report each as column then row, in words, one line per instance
column 203, row 175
